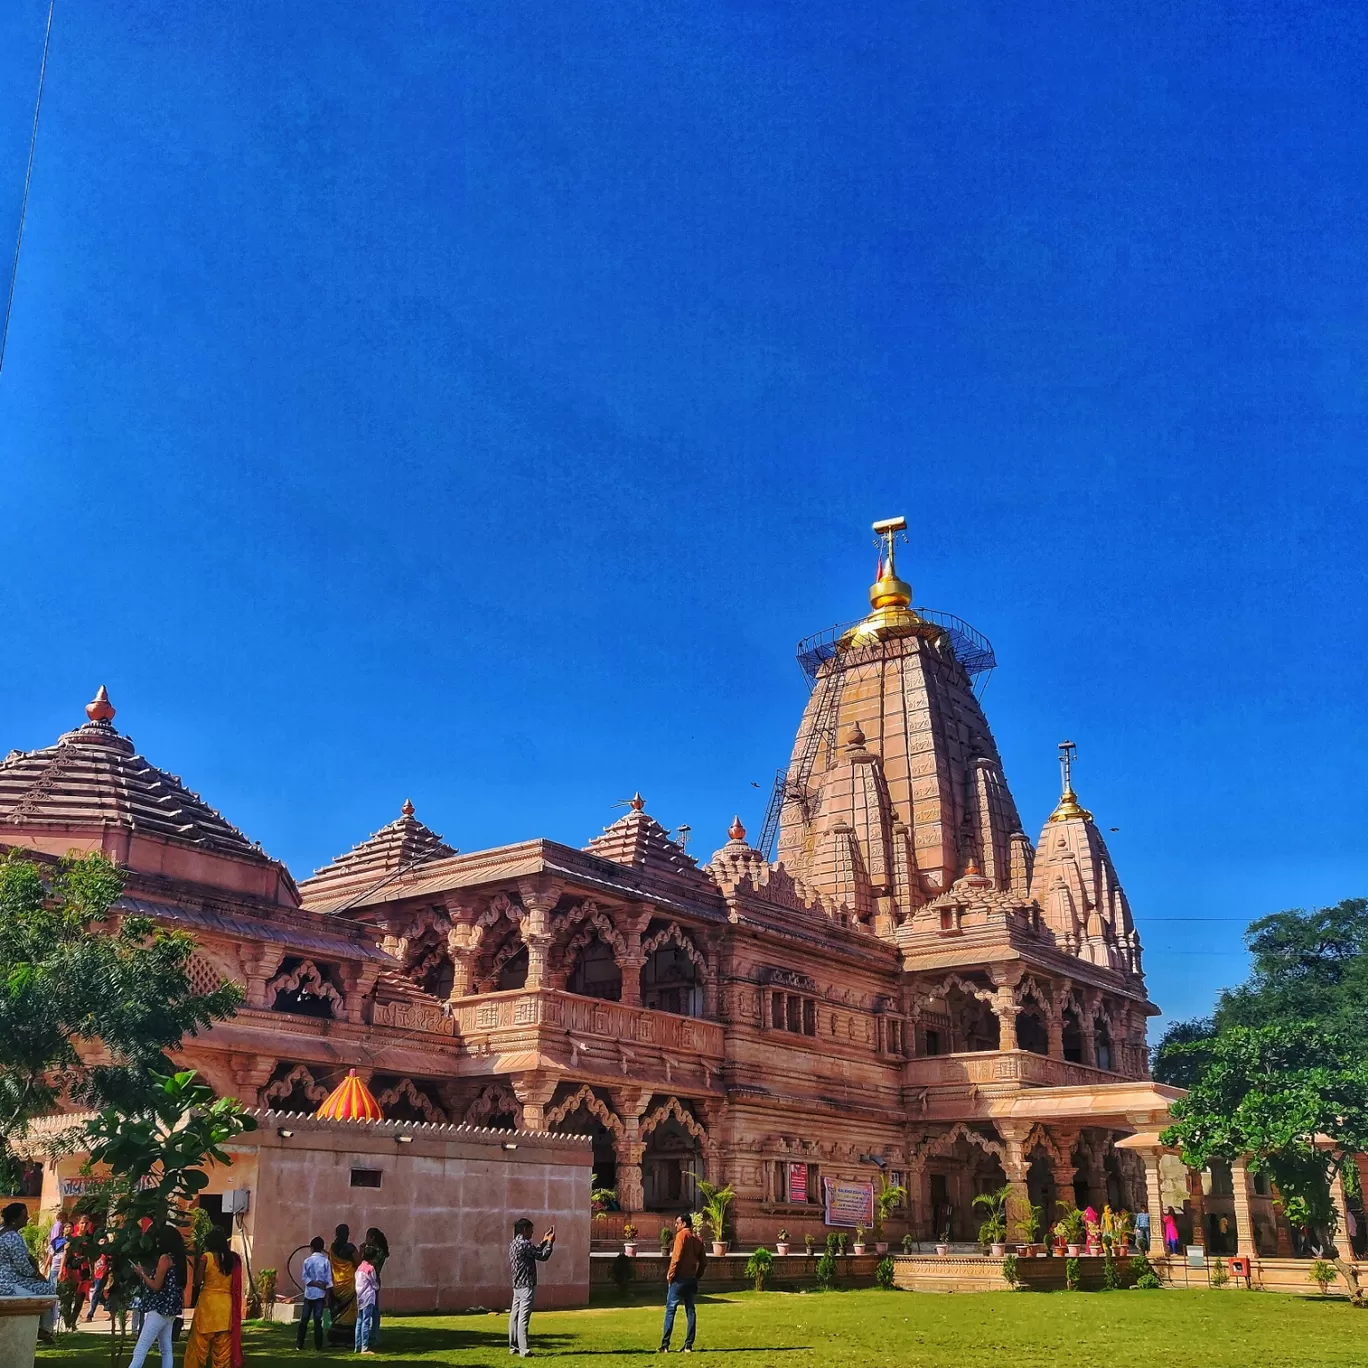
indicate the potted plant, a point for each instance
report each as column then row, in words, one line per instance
column 841, row 1241
column 1123, row 1226
column 1028, row 1229
column 629, row 1238
column 716, row 1203
column 666, row 1241
column 808, row 1242
column 1071, row 1229
column 908, row 1242
column 942, row 1249
column 859, row 1239
column 993, row 1231
column 889, row 1196
column 781, row 1241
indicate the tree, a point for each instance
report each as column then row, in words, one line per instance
column 1307, row 966
column 156, row 1155
column 1266, row 1093
column 76, row 980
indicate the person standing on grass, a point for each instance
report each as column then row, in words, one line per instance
column 523, row 1258
column 163, row 1297
column 367, row 1293
column 317, row 1278
column 375, row 1237
column 18, row 1276
column 216, row 1331
column 687, row 1259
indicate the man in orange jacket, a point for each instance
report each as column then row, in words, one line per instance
column 687, row 1259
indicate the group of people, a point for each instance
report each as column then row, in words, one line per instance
column 345, row 1282
column 687, row 1261
column 214, row 1283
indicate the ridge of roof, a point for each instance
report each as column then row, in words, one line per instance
column 637, row 839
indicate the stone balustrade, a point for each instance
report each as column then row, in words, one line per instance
column 520, row 1011
column 1019, row 1068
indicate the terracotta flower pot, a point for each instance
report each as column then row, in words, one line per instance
column 629, row 1250
column 782, row 1248
column 1073, row 1251
column 719, row 1248
column 942, row 1249
column 997, row 1250
column 881, row 1246
column 859, row 1249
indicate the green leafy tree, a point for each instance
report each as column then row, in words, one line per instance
column 759, row 1268
column 156, row 1153
column 71, row 977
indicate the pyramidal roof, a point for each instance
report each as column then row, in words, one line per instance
column 401, row 845
column 93, row 777
column 638, row 839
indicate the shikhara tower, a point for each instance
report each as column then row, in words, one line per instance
column 905, row 984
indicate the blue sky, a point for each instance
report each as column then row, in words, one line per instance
column 476, row 402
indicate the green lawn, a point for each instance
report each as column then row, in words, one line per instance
column 1165, row 1329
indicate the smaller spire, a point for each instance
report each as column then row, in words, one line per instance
column 855, row 737
column 736, row 831
column 100, row 709
column 638, row 802
column 407, row 809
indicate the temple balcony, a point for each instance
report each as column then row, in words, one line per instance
column 584, row 1030
column 1005, row 1069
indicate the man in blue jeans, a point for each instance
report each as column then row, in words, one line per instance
column 686, row 1267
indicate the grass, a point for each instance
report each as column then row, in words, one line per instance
column 1178, row 1329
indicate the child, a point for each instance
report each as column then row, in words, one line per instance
column 367, row 1290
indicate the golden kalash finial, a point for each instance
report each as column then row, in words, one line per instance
column 889, row 597
column 1069, row 806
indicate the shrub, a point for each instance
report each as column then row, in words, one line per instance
column 666, row 1240
column 1148, row 1282
column 265, row 1283
column 623, row 1272
column 1322, row 1273
column 1111, row 1281
column 1009, row 1270
column 1219, row 1276
column 883, row 1274
column 994, row 1206
column 832, row 1243
column 808, row 1242
column 826, row 1272
column 1139, row 1266
column 907, row 1243
column 759, row 1267
column 841, row 1241
column 1073, row 1274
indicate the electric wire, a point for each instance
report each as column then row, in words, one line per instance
column 28, row 178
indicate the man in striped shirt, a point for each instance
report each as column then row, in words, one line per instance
column 523, row 1258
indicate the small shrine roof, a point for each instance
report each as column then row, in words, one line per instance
column 637, row 839
column 398, row 847
column 93, row 777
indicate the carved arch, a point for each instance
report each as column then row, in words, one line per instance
column 676, row 934
column 591, row 1103
column 1030, row 987
column 941, row 1145
column 283, row 1087
column 1040, row 1138
column 501, row 905
column 405, row 1090
column 664, row 1112
column 934, row 992
column 510, row 949
column 305, row 975
column 599, row 928
column 494, row 1100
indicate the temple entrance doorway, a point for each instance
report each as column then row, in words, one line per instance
column 669, row 1166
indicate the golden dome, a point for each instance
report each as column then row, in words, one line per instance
column 893, row 615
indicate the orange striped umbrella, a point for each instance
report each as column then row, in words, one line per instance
column 351, row 1100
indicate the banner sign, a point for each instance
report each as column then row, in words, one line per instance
column 849, row 1204
column 84, row 1187
column 797, row 1183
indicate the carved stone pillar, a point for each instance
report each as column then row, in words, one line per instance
column 1197, row 1207
column 1015, row 1167
column 1088, row 1030
column 358, row 979
column 1154, row 1198
column 629, row 1149
column 539, row 896
column 533, row 1092
column 1006, row 1010
column 1244, row 1220
column 259, row 963
column 919, row 1194
column 1063, row 1172
column 631, row 966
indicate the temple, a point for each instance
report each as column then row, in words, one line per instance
column 910, row 988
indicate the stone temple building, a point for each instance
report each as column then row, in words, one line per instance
column 910, row 987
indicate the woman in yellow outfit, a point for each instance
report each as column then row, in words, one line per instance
column 216, row 1330
column 344, row 1257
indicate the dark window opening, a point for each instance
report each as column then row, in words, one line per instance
column 365, row 1178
